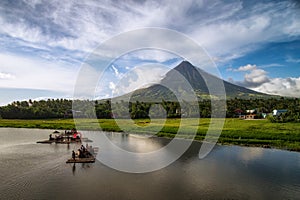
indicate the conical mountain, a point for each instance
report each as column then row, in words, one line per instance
column 185, row 79
column 199, row 79
column 190, row 73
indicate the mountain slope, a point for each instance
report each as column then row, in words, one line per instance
column 186, row 78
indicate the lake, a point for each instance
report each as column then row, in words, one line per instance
column 38, row 171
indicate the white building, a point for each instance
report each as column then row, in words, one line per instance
column 278, row 112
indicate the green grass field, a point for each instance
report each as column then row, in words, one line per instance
column 234, row 131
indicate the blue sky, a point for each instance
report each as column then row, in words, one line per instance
column 43, row 44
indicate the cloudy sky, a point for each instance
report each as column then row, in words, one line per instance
column 255, row 44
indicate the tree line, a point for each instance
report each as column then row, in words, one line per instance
column 43, row 109
column 63, row 108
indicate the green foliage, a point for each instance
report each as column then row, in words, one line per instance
column 290, row 116
column 59, row 108
column 266, row 106
column 104, row 109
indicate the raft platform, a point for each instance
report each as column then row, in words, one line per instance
column 60, row 141
column 46, row 142
column 67, row 141
column 81, row 160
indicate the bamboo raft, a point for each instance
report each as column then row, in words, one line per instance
column 59, row 141
column 45, row 142
column 64, row 138
column 68, row 141
column 81, row 160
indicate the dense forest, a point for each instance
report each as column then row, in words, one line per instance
column 62, row 108
column 59, row 108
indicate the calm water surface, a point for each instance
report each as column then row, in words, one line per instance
column 38, row 171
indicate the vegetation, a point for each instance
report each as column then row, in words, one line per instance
column 266, row 106
column 235, row 131
column 58, row 114
column 61, row 108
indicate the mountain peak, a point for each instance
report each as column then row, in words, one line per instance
column 193, row 75
column 184, row 65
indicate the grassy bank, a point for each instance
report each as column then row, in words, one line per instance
column 234, row 131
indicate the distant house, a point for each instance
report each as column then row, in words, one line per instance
column 238, row 113
column 250, row 111
column 242, row 116
column 278, row 112
column 250, row 114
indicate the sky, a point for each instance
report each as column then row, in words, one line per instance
column 44, row 44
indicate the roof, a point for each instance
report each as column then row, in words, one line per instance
column 281, row 110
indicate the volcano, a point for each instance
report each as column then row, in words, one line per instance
column 186, row 78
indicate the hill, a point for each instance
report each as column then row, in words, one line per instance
column 178, row 80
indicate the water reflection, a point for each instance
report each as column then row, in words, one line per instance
column 74, row 168
column 250, row 154
column 38, row 171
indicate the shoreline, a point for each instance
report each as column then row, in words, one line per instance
column 142, row 135
column 234, row 132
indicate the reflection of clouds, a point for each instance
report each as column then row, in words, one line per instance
column 143, row 145
column 251, row 153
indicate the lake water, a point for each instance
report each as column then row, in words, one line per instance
column 38, row 171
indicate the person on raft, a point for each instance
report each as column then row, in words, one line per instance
column 83, row 149
column 73, row 155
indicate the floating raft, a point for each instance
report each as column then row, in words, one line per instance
column 46, row 142
column 68, row 141
column 81, row 160
column 59, row 141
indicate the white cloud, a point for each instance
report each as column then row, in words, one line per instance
column 35, row 74
column 112, row 86
column 256, row 77
column 116, row 72
column 258, row 80
column 246, row 30
column 272, row 65
column 22, row 31
column 139, row 77
column 151, row 55
column 82, row 25
column 6, row 76
column 246, row 68
column 292, row 60
column 281, row 86
column 227, row 30
column 253, row 78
